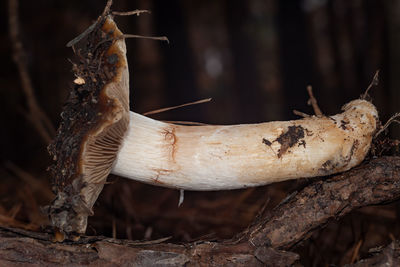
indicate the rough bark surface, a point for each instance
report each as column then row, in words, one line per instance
column 303, row 212
column 23, row 248
column 288, row 224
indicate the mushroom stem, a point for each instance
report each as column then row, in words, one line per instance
column 228, row 157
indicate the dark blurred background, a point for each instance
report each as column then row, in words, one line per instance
column 254, row 58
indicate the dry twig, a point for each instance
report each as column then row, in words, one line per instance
column 374, row 82
column 27, row 178
column 313, row 102
column 130, row 13
column 179, row 106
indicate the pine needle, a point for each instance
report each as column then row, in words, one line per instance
column 179, row 106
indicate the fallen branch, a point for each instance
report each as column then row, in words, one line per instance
column 17, row 248
column 308, row 210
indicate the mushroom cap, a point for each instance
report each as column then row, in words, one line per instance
column 94, row 122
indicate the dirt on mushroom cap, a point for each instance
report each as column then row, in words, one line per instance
column 94, row 120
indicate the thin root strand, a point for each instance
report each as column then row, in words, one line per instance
column 392, row 119
column 374, row 82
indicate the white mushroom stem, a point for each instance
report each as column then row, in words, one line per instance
column 238, row 156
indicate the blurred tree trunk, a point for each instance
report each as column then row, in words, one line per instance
column 147, row 76
column 256, row 62
column 348, row 38
column 344, row 43
column 393, row 27
column 262, row 30
column 321, row 40
column 212, row 56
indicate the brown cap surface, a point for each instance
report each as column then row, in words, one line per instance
column 94, row 121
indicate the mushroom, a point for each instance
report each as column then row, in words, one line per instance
column 221, row 157
column 98, row 135
column 94, row 121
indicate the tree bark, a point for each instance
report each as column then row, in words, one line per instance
column 303, row 212
column 24, row 248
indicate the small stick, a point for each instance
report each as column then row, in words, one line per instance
column 107, row 8
column 148, row 233
column 356, row 251
column 179, row 106
column 14, row 211
column 81, row 36
column 374, row 82
column 77, row 39
column 301, row 114
column 313, row 101
column 392, row 119
column 130, row 13
column 125, row 36
column 114, row 228
column 159, row 38
column 30, row 180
